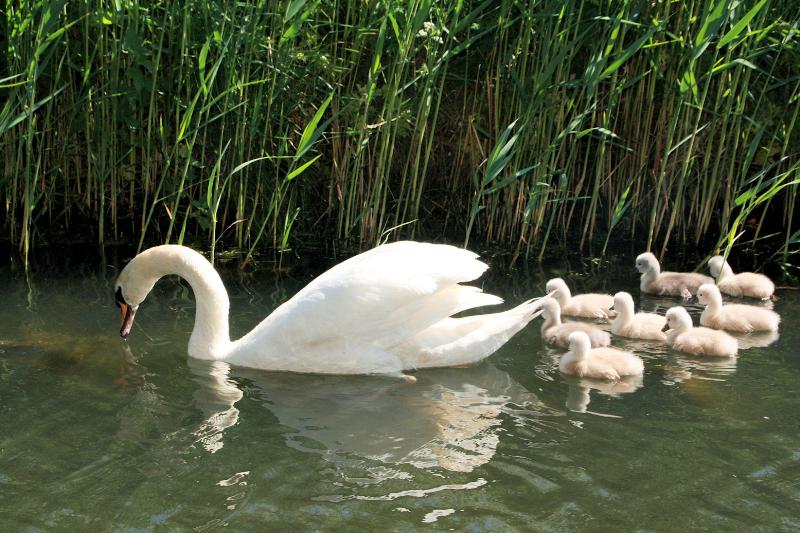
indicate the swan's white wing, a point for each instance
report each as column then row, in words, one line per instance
column 359, row 310
column 467, row 340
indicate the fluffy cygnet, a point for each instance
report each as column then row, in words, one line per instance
column 590, row 305
column 636, row 326
column 734, row 317
column 557, row 333
column 653, row 281
column 682, row 336
column 745, row 284
column 601, row 363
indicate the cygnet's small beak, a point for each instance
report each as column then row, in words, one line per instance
column 551, row 293
column 127, row 312
column 665, row 328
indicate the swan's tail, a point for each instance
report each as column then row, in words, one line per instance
column 467, row 340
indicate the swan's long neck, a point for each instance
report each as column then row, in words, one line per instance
column 725, row 271
column 649, row 276
column 551, row 319
column 563, row 296
column 714, row 305
column 624, row 313
column 210, row 337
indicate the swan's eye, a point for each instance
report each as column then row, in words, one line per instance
column 118, row 299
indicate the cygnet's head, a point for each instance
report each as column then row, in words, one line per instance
column 708, row 293
column 579, row 344
column 678, row 319
column 550, row 309
column 623, row 303
column 647, row 262
column 719, row 267
column 557, row 288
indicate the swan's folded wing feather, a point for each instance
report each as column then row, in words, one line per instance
column 379, row 297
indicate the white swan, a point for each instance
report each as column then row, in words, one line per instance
column 636, row 326
column 684, row 337
column 734, row 317
column 557, row 333
column 590, row 305
column 601, row 363
column 380, row 312
column 742, row 284
column 653, row 281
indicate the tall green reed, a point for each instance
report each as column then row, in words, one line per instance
column 264, row 126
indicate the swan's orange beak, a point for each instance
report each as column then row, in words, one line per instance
column 128, row 313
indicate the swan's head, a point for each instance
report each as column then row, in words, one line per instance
column 623, row 303
column 557, row 288
column 132, row 287
column 550, row 309
column 708, row 293
column 678, row 319
column 579, row 344
column 647, row 262
column 719, row 267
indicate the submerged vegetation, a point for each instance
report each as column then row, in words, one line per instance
column 268, row 125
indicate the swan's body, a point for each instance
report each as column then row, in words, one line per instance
column 653, row 281
column 601, row 363
column 745, row 284
column 734, row 317
column 557, row 333
column 589, row 305
column 383, row 311
column 646, row 326
column 682, row 336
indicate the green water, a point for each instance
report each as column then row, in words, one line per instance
column 101, row 434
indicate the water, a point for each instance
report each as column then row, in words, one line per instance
column 97, row 433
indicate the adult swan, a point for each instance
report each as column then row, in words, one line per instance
column 380, row 312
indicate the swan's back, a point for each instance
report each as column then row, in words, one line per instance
column 559, row 335
column 741, row 318
column 589, row 305
column 384, row 311
column 675, row 283
column 647, row 326
column 624, row 363
column 705, row 341
column 747, row 284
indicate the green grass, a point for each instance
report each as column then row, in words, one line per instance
column 266, row 126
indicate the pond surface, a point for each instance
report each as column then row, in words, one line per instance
column 101, row 434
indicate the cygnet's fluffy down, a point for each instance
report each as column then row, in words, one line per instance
column 745, row 284
column 646, row 326
column 600, row 363
column 590, row 305
column 734, row 317
column 556, row 333
column 653, row 281
column 682, row 336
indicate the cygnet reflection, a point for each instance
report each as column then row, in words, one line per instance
column 683, row 367
column 579, row 394
column 756, row 339
column 449, row 419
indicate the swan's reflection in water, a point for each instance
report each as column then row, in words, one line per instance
column 449, row 419
column 579, row 394
column 216, row 397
